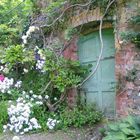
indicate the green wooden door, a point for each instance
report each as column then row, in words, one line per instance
column 100, row 88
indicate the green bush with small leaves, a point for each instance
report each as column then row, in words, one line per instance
column 79, row 116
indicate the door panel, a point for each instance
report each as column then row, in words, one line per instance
column 100, row 88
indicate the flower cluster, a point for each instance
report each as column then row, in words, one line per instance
column 4, row 69
column 36, row 99
column 20, row 120
column 5, row 83
column 28, row 33
column 40, row 57
column 40, row 65
column 18, row 84
column 16, row 138
column 51, row 123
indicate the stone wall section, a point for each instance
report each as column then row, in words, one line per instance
column 127, row 58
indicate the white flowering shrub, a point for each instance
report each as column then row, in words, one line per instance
column 45, row 75
column 20, row 118
column 8, row 86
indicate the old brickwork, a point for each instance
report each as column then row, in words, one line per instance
column 127, row 63
column 127, row 59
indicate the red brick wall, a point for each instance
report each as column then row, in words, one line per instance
column 71, row 53
column 127, row 58
column 124, row 96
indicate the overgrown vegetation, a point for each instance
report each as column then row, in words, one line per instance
column 134, row 34
column 34, row 75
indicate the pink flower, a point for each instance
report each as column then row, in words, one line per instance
column 2, row 77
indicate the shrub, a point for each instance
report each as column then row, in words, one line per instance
column 3, row 114
column 126, row 129
column 79, row 116
column 64, row 118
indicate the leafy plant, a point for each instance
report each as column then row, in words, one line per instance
column 126, row 129
column 13, row 54
column 70, row 32
column 62, row 72
column 79, row 116
column 3, row 114
column 39, row 112
column 134, row 37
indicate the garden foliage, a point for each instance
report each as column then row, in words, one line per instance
column 35, row 77
column 126, row 129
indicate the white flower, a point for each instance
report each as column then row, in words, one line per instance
column 32, row 99
column 9, row 101
column 28, row 33
column 23, row 92
column 46, row 97
column 34, row 96
column 40, row 97
column 6, row 70
column 1, row 68
column 31, row 91
column 9, row 92
column 20, row 120
column 4, row 126
column 39, row 103
column 55, row 99
column 18, row 84
column 27, row 96
column 16, row 138
column 25, row 70
column 51, row 123
column 6, row 84
column 24, row 37
column 40, row 64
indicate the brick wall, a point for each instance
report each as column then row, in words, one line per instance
column 127, row 97
column 127, row 58
column 71, row 53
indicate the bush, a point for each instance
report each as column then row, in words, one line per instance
column 126, row 129
column 79, row 116
column 3, row 114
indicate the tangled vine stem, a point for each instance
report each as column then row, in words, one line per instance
column 102, row 45
column 71, row 6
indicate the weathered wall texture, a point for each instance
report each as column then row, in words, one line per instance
column 127, row 65
column 127, row 59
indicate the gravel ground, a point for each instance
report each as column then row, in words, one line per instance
column 73, row 134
